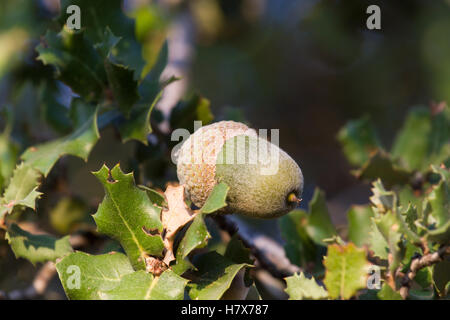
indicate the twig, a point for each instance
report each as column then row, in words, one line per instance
column 420, row 263
column 278, row 268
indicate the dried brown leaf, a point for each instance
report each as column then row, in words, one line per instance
column 174, row 218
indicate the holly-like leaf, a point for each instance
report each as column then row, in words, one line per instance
column 411, row 144
column 36, row 248
column 97, row 16
column 319, row 225
column 138, row 126
column 215, row 274
column 382, row 199
column 387, row 293
column 359, row 224
column 346, row 270
column 150, row 89
column 196, row 236
column 381, row 166
column 85, row 277
column 77, row 62
column 407, row 227
column 174, row 218
column 237, row 252
column 424, row 138
column 377, row 243
column 140, row 285
column 299, row 247
column 439, row 199
column 216, row 199
column 406, row 196
column 127, row 215
column 155, row 197
column 121, row 80
column 358, row 139
column 21, row 191
column 79, row 143
column 300, row 288
column 389, row 226
column 122, row 84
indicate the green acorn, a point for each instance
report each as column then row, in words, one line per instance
column 264, row 181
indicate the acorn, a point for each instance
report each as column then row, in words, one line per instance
column 265, row 182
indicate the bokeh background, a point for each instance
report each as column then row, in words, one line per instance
column 305, row 67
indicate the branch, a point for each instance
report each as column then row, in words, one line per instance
column 420, row 263
column 266, row 252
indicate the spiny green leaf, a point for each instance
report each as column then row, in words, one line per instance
column 411, row 144
column 150, row 90
column 216, row 199
column 97, row 16
column 407, row 227
column 107, row 43
column 138, row 125
column 389, row 226
column 380, row 165
column 439, row 208
column 77, row 62
column 358, row 140
column 410, row 218
column 215, row 274
column 346, row 270
column 299, row 247
column 80, row 143
column 85, row 276
column 21, row 191
column 382, row 199
column 55, row 113
column 127, row 215
column 406, row 197
column 424, row 138
column 155, row 197
column 319, row 225
column 439, row 199
column 196, row 236
column 140, row 285
column 300, row 288
column 236, row 251
column 377, row 243
column 122, row 84
column 120, row 77
column 36, row 248
column 359, row 224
